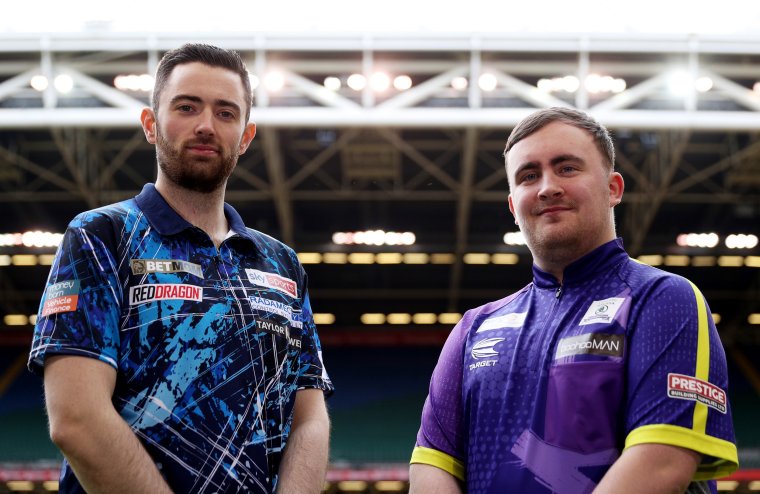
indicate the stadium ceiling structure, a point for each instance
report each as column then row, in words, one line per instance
column 424, row 158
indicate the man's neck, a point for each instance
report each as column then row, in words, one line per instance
column 555, row 260
column 203, row 210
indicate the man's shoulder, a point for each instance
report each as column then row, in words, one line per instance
column 485, row 310
column 108, row 214
column 643, row 277
column 269, row 242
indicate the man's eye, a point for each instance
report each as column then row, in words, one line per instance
column 185, row 108
column 226, row 114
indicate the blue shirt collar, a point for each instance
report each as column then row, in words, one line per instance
column 603, row 258
column 166, row 221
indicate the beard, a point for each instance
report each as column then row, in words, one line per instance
column 195, row 173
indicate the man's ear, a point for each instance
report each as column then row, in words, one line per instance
column 617, row 186
column 512, row 208
column 148, row 121
column 248, row 134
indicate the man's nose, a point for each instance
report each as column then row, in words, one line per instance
column 205, row 123
column 550, row 187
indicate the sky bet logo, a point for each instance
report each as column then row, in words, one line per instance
column 273, row 281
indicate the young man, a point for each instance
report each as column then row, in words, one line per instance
column 602, row 375
column 178, row 346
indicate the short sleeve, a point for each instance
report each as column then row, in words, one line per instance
column 312, row 371
column 80, row 307
column 440, row 440
column 677, row 378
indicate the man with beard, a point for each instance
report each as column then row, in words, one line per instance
column 178, row 347
column 601, row 375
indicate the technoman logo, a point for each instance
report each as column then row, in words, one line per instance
column 591, row 344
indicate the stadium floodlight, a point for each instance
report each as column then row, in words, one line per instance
column 372, row 318
column 416, row 258
column 332, row 83
column 504, row 258
column 41, row 239
column 424, row 318
column 449, row 317
column 679, row 83
column 24, row 260
column 335, row 258
column 677, row 260
column 545, row 85
column 310, row 257
column 730, row 261
column 476, row 258
column 487, row 82
column 374, row 237
column 399, row 318
column 63, row 83
column 389, row 258
column 357, row 82
column 461, row 83
column 570, row 83
column 703, row 84
column 379, row 82
column 741, row 241
column 402, row 82
column 703, row 240
column 514, row 238
column 39, row 82
column 651, row 259
column 323, row 318
column 274, row 81
column 16, row 319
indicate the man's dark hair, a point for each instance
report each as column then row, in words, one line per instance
column 540, row 119
column 212, row 56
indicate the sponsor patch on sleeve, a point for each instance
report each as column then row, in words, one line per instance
column 140, row 294
column 690, row 388
column 61, row 297
column 273, row 281
column 602, row 311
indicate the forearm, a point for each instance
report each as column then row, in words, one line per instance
column 101, row 448
column 107, row 457
column 427, row 479
column 304, row 463
column 651, row 468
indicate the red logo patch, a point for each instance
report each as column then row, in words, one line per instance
column 690, row 388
